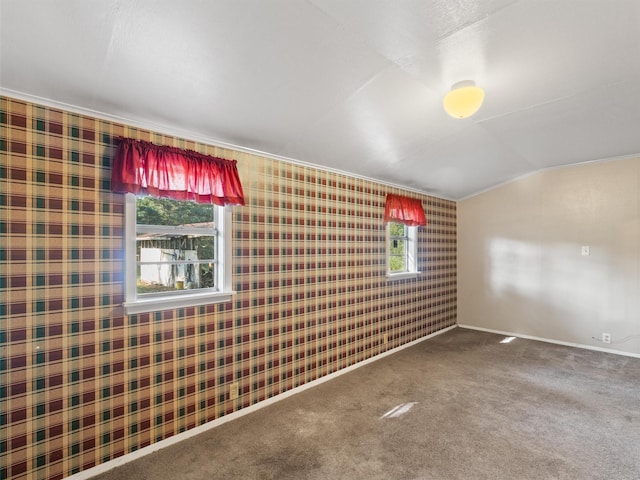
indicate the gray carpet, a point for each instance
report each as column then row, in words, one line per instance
column 474, row 408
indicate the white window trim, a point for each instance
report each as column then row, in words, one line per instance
column 412, row 255
column 133, row 304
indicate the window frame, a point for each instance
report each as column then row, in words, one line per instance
column 134, row 304
column 411, row 253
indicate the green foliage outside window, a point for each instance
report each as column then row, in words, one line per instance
column 398, row 237
column 164, row 211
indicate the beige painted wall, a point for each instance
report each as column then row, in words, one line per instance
column 520, row 267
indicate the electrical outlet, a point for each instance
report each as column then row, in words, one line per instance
column 606, row 338
column 385, row 338
column 233, row 391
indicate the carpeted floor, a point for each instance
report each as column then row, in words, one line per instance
column 469, row 407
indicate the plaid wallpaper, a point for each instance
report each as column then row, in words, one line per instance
column 83, row 383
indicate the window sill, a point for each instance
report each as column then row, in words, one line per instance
column 402, row 276
column 181, row 301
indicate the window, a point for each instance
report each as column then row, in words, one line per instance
column 403, row 216
column 402, row 250
column 177, row 254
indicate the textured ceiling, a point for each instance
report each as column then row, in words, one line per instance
column 352, row 85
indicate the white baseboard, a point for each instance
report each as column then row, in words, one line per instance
column 548, row 340
column 154, row 447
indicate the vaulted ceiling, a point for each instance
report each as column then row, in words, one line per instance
column 351, row 85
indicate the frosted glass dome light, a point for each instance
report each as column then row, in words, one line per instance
column 463, row 100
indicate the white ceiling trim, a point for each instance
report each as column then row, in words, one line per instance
column 188, row 135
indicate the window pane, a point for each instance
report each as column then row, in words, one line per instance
column 397, row 230
column 171, row 262
column 397, row 246
column 397, row 264
column 173, row 277
column 164, row 211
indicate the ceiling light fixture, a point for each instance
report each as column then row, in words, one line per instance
column 463, row 100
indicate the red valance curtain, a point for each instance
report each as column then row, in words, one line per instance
column 141, row 167
column 404, row 210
